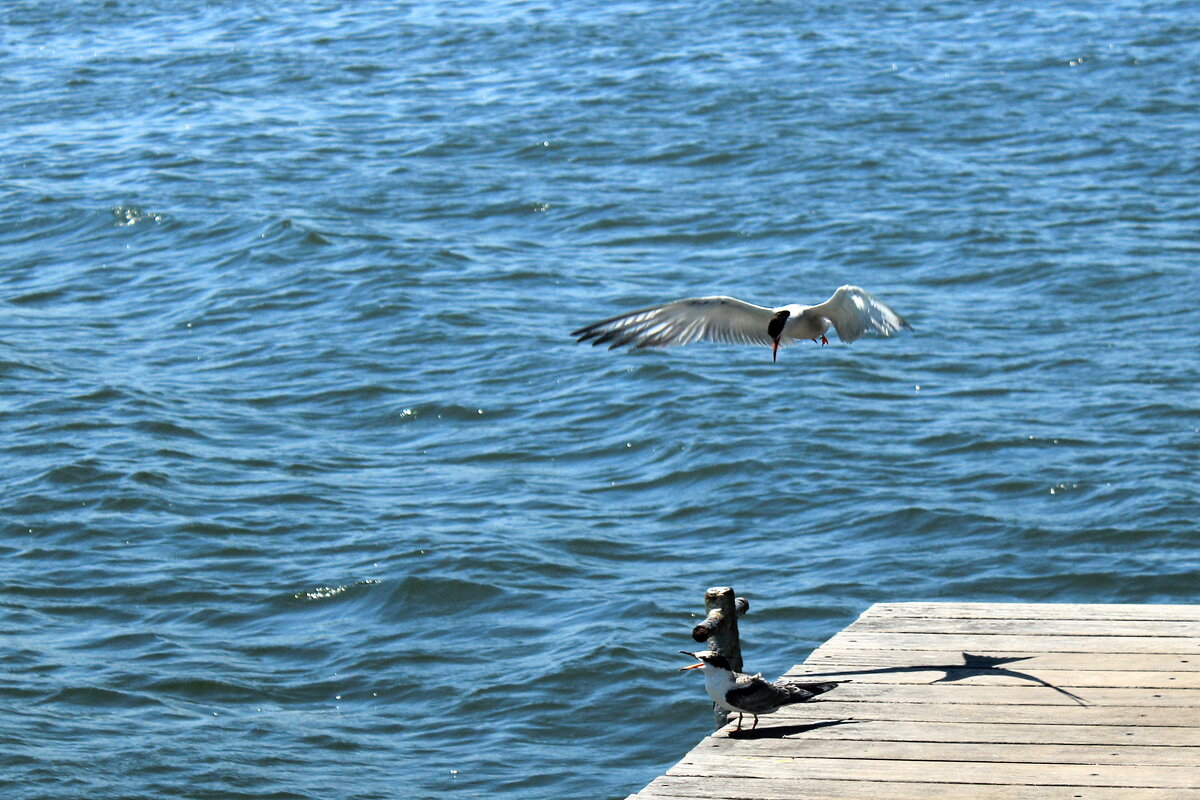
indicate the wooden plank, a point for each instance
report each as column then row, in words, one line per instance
column 1018, row 644
column 1027, row 694
column 1037, row 611
column 1102, row 628
column 717, row 788
column 924, row 750
column 990, row 772
column 866, row 728
column 1065, row 679
column 1041, row 662
column 1023, row 714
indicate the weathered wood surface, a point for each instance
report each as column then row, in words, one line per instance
column 1038, row 611
column 980, row 702
column 1138, row 662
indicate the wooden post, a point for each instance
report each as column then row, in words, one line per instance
column 720, row 630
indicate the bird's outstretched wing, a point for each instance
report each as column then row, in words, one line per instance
column 853, row 311
column 714, row 319
column 756, row 696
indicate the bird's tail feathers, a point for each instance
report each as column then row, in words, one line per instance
column 807, row 690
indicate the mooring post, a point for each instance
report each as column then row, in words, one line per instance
column 720, row 630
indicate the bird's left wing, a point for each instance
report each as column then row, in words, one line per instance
column 756, row 696
column 713, row 319
column 853, row 311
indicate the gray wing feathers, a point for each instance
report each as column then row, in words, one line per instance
column 760, row 697
column 714, row 319
column 853, row 311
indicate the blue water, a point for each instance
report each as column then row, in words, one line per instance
column 307, row 491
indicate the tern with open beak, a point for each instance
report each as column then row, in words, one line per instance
column 749, row 694
column 851, row 311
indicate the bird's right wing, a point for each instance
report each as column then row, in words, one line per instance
column 713, row 319
column 853, row 311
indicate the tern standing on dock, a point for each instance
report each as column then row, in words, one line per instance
column 749, row 694
column 851, row 311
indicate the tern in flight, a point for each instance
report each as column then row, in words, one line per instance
column 749, row 694
column 851, row 312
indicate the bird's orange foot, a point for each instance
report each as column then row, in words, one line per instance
column 824, row 341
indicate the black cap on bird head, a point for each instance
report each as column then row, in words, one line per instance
column 775, row 330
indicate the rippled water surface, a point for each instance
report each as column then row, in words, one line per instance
column 307, row 491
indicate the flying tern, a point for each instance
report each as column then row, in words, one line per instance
column 851, row 311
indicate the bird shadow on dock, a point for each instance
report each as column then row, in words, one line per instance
column 781, row 731
column 972, row 665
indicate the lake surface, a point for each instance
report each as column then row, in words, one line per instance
column 308, row 492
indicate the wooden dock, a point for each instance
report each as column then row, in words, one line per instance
column 976, row 701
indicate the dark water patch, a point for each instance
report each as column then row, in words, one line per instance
column 92, row 697
column 148, row 478
column 42, row 298
column 13, row 369
column 164, row 429
column 974, row 443
column 283, row 500
column 125, row 503
column 360, row 393
column 38, row 505
column 209, row 691
column 83, row 473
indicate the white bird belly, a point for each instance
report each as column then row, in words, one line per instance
column 717, row 684
column 805, row 326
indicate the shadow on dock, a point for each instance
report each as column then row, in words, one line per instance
column 972, row 665
column 780, row 731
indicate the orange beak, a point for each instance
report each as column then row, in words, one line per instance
column 775, row 350
column 693, row 666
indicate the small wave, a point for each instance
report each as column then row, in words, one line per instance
column 442, row 595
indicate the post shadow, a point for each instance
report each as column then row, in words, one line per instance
column 972, row 665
